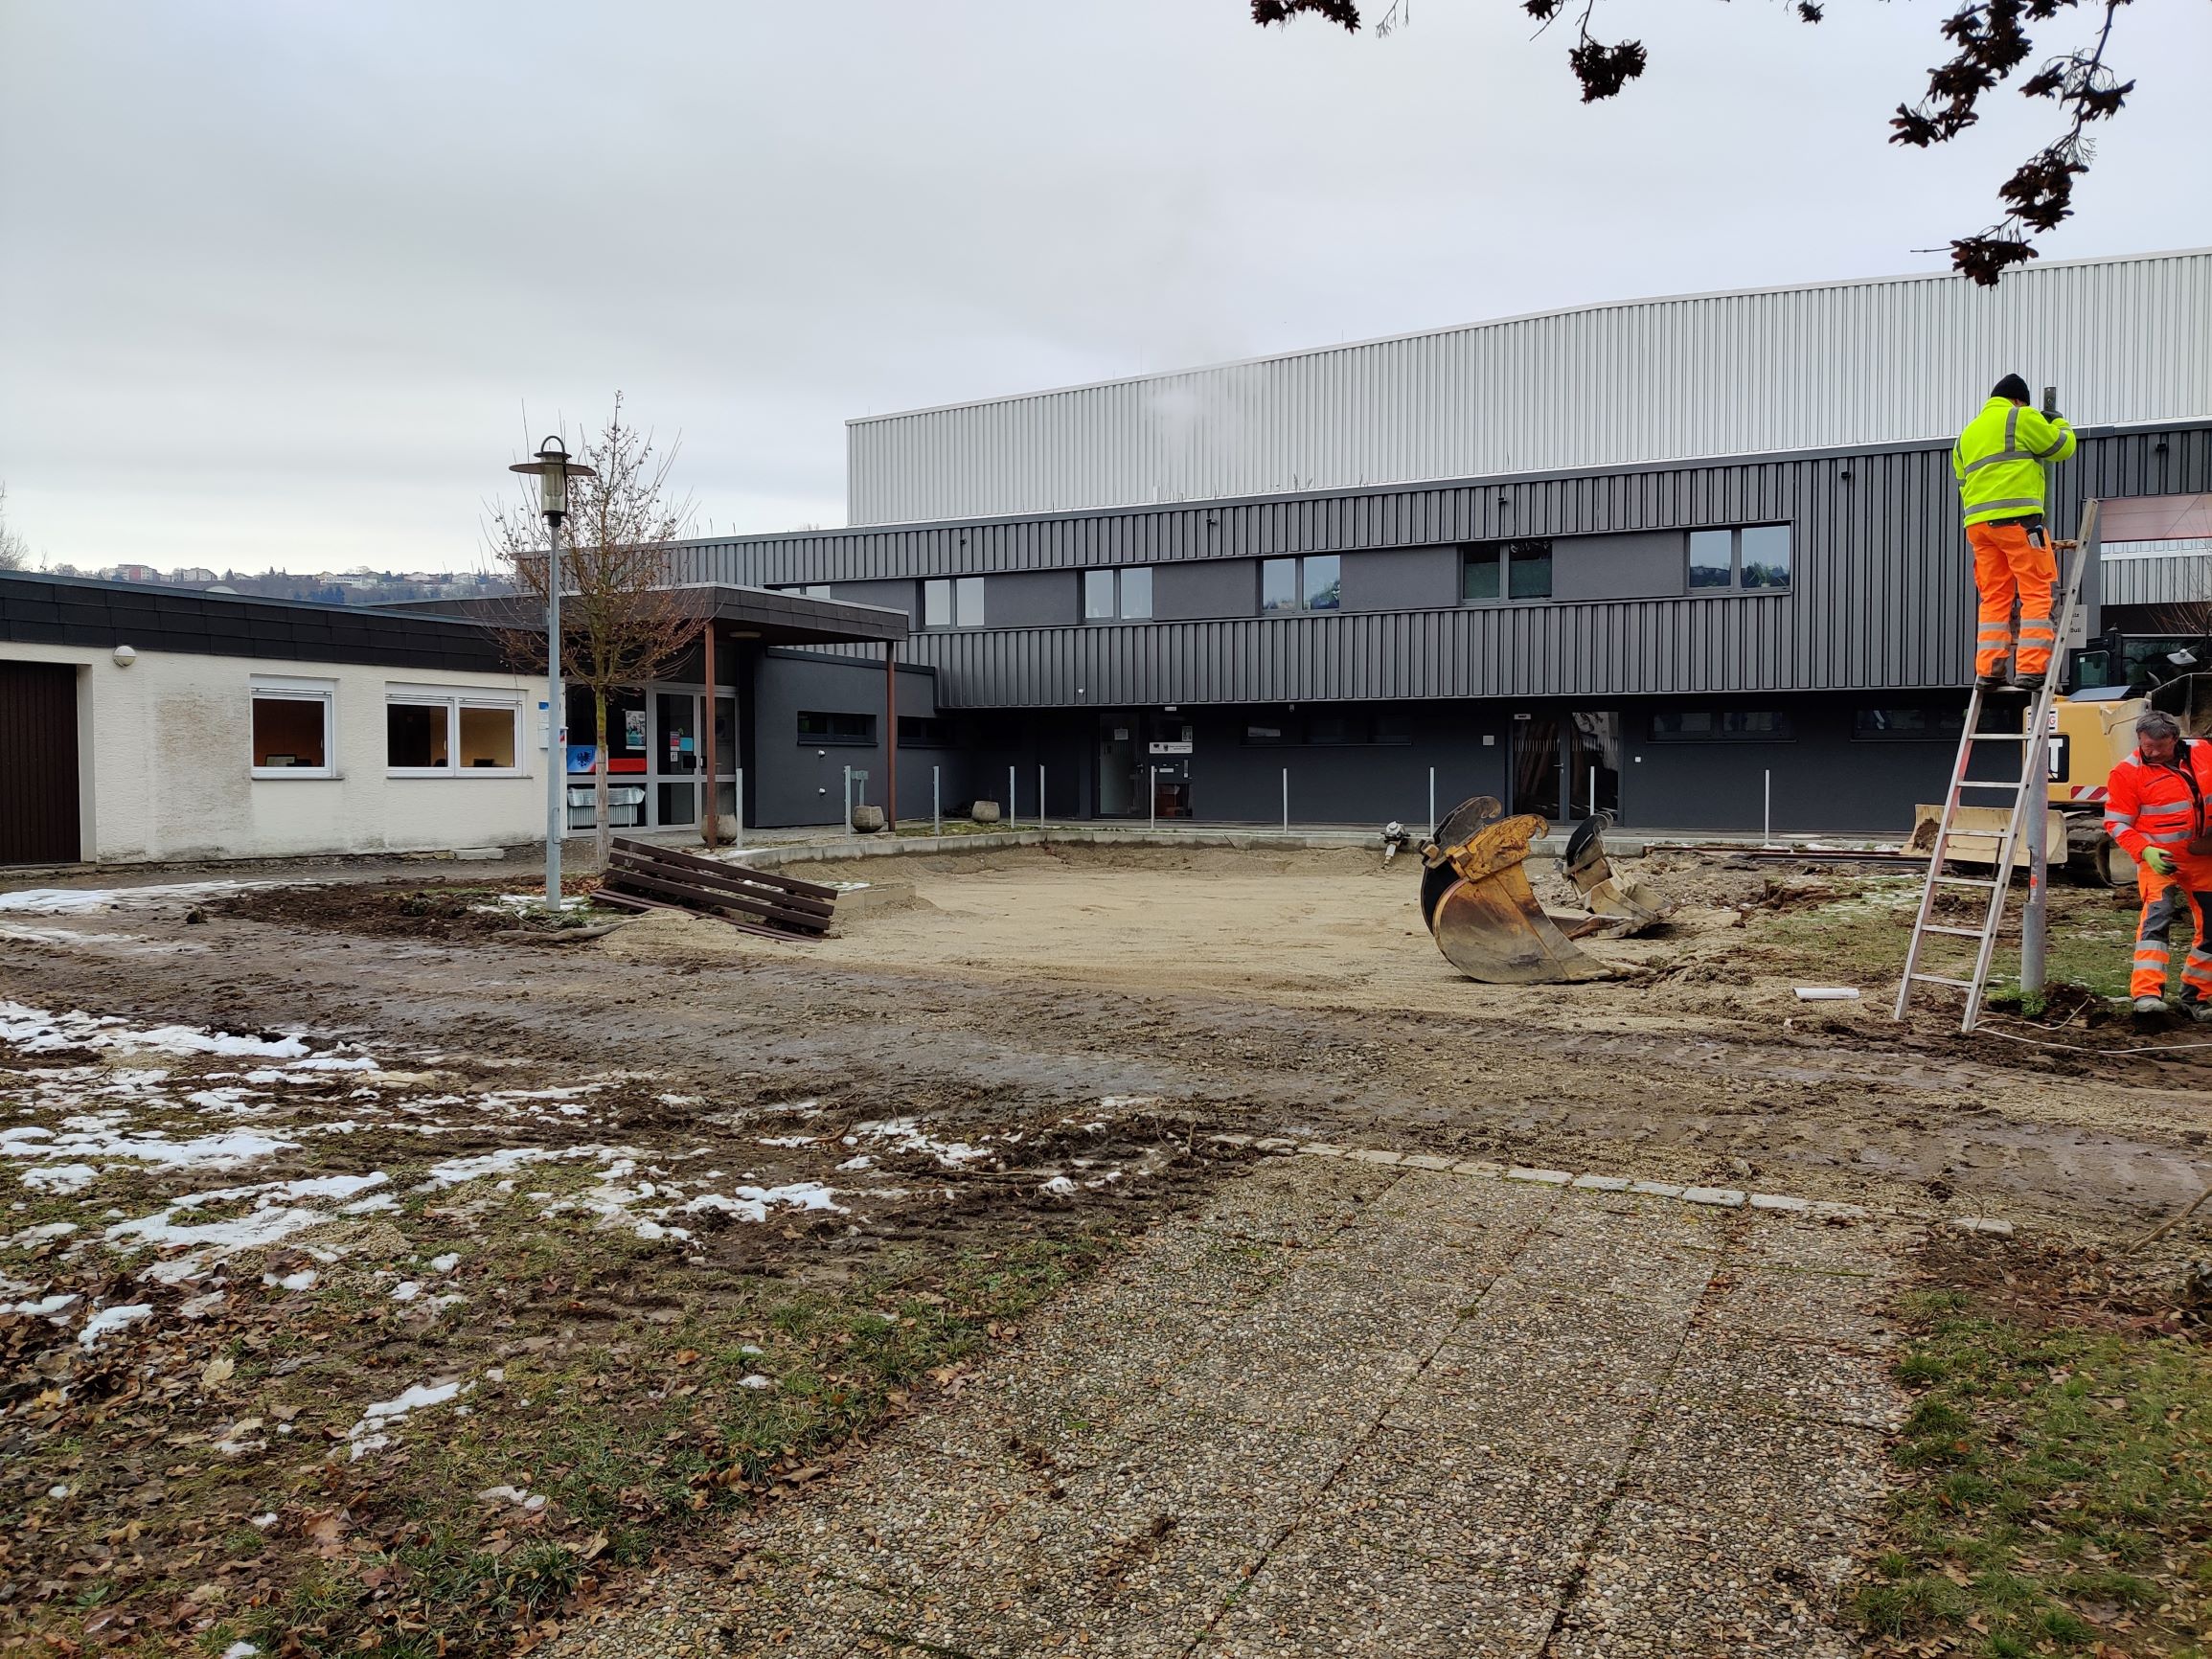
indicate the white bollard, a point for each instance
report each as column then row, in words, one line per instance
column 1432, row 802
column 936, row 802
column 1285, row 800
column 1041, row 797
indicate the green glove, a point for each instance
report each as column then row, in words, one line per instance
column 2159, row 859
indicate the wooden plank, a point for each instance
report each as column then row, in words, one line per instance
column 724, row 877
column 708, row 871
column 693, row 860
column 806, row 910
column 631, row 901
column 660, row 887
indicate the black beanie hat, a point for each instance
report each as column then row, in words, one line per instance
column 2011, row 386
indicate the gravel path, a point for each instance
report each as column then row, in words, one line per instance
column 1353, row 1409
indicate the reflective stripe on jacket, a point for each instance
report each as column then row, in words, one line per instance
column 2150, row 804
column 1998, row 460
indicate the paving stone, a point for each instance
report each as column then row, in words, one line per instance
column 1769, row 1377
column 1213, row 1472
column 892, row 1525
column 1603, row 1183
column 1329, row 1595
column 1811, row 1305
column 1541, row 1177
column 1665, row 1581
column 1577, row 1405
column 1721, row 1197
column 1779, row 1470
column 1295, row 1201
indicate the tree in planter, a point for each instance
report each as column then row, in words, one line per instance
column 621, row 624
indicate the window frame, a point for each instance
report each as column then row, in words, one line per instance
column 1299, row 585
column 807, row 590
column 283, row 689
column 454, row 699
column 1734, row 587
column 934, row 731
column 1115, row 578
column 955, row 591
column 1939, row 733
column 1786, row 733
column 833, row 740
column 1497, row 556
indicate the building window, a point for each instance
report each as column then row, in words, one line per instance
column 924, row 732
column 1750, row 558
column 1722, row 725
column 1269, row 735
column 1493, row 571
column 953, row 601
column 1877, row 725
column 1314, row 583
column 1335, row 730
column 811, row 590
column 435, row 733
column 851, row 729
column 1124, row 594
column 1330, row 728
column 291, row 729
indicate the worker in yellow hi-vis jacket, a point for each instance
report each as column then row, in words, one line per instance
column 2000, row 461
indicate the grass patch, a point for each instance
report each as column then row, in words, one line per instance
column 2055, row 1484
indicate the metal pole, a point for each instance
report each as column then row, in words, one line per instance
column 708, row 738
column 1285, row 800
column 936, row 802
column 1432, row 802
column 846, row 828
column 1767, row 834
column 1041, row 797
column 738, row 792
column 891, row 737
column 1152, row 802
column 556, row 719
column 1593, row 791
column 1010, row 797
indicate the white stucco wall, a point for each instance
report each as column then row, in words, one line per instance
column 164, row 748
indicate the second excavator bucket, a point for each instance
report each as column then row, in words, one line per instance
column 1635, row 903
column 1478, row 904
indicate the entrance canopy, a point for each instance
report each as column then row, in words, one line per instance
column 775, row 619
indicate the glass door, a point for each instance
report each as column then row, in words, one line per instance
column 677, row 759
column 1593, row 763
column 1537, row 766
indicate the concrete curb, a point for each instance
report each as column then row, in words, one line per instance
column 1712, row 1197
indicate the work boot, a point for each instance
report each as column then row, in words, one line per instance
column 2031, row 683
column 2199, row 1011
column 2150, row 1005
column 1991, row 682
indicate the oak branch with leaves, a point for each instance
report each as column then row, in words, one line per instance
column 621, row 623
column 1988, row 44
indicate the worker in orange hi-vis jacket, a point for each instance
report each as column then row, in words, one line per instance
column 2155, row 808
column 1999, row 460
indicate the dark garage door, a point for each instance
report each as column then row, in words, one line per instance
column 38, row 764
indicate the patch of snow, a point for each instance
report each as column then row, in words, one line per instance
column 382, row 1413
column 756, row 1380
column 200, row 1306
column 1059, row 1187
column 92, row 901
column 370, row 1206
column 38, row 1031
column 904, row 1135
column 61, row 1177
column 109, row 1319
column 753, row 1203
column 103, row 1136
column 862, row 1162
column 264, row 1522
column 303, row 1280
column 57, row 1493
column 41, row 1233
column 447, row 1262
column 406, row 1291
column 273, row 1216
column 45, row 1307
column 789, row 1140
column 454, row 1172
column 335, row 1063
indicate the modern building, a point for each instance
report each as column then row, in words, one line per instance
column 1692, row 561
column 1674, row 556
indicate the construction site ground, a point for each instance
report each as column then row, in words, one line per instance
column 1087, row 1250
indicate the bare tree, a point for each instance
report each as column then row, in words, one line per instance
column 15, row 551
column 1988, row 41
column 621, row 623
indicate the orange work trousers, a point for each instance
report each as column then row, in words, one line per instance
column 2186, row 895
column 2012, row 561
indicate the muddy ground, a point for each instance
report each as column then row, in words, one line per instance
column 771, row 1191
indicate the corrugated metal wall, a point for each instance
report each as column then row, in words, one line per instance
column 1880, row 598
column 1874, row 362
column 2166, row 579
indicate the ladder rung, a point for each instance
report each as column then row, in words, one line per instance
column 1944, row 979
column 1988, row 783
column 1965, row 881
column 1998, row 737
column 1960, row 932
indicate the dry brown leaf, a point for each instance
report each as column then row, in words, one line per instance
column 216, row 1372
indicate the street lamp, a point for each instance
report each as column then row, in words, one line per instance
column 553, row 470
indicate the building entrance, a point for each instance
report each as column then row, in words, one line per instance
column 1564, row 766
column 1169, row 740
column 1121, row 774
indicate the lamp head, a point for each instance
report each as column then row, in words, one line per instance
column 553, row 470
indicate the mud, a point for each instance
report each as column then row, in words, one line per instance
column 1291, row 993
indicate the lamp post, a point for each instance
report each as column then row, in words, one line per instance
column 553, row 469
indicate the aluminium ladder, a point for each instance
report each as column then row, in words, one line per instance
column 2030, row 797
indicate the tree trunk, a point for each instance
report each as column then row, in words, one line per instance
column 598, row 774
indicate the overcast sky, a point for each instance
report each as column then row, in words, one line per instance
column 279, row 279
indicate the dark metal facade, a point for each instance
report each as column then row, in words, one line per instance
column 1880, row 596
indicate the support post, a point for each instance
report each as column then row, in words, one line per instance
column 891, row 736
column 1152, row 802
column 1432, row 802
column 708, row 739
column 846, row 828
column 737, row 794
column 1767, row 834
column 936, row 801
column 1008, row 820
column 556, row 719
column 1593, row 791
column 1040, row 798
column 1285, row 800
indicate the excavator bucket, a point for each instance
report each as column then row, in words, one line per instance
column 1634, row 904
column 1479, row 907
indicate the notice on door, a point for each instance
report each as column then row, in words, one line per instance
column 1171, row 748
